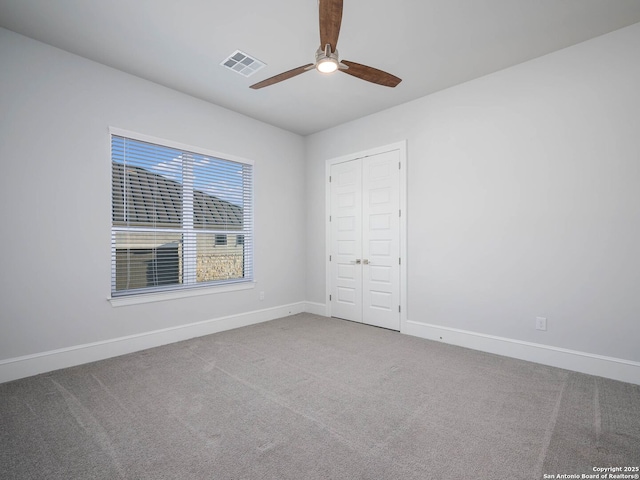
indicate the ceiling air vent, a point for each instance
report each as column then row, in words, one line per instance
column 242, row 63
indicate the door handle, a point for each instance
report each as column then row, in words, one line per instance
column 356, row 261
column 365, row 261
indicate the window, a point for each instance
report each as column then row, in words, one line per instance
column 221, row 240
column 173, row 210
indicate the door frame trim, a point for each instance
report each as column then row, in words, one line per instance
column 401, row 147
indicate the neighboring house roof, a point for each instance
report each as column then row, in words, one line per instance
column 142, row 185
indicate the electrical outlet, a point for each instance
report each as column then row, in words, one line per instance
column 541, row 323
column 261, row 295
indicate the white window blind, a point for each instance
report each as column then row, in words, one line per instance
column 180, row 219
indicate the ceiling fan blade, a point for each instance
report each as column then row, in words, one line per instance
column 371, row 74
column 330, row 20
column 282, row 76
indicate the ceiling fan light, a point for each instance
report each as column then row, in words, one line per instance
column 327, row 65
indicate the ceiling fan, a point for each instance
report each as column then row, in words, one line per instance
column 327, row 60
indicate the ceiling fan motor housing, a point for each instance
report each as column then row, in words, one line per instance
column 326, row 60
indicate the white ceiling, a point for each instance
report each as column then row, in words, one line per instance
column 430, row 44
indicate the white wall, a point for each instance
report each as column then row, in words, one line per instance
column 523, row 199
column 55, row 199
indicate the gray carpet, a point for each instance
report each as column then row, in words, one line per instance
column 306, row 397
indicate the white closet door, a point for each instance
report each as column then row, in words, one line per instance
column 381, row 242
column 346, row 240
column 365, row 240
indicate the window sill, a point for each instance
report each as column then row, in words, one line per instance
column 162, row 296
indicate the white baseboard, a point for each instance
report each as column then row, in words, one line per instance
column 609, row 367
column 316, row 308
column 28, row 365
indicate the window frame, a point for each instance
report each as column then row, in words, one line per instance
column 181, row 291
